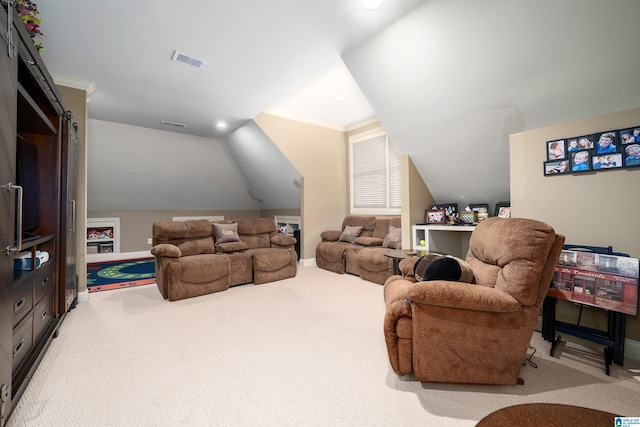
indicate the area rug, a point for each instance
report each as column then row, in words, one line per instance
column 104, row 276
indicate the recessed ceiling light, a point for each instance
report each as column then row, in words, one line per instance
column 371, row 4
column 340, row 98
column 221, row 125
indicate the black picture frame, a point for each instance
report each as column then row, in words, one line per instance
column 586, row 142
column 606, row 162
column 450, row 209
column 572, row 145
column 556, row 167
column 612, row 147
column 499, row 205
column 633, row 136
column 556, row 149
column 482, row 209
column 631, row 160
column 580, row 161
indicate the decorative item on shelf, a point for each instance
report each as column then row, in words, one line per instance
column 28, row 12
column 469, row 217
column 503, row 209
column 482, row 209
column 435, row 216
column 450, row 212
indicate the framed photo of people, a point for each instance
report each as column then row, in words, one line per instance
column 434, row 216
column 601, row 151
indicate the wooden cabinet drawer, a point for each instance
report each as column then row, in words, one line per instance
column 44, row 280
column 22, row 340
column 42, row 315
column 22, row 297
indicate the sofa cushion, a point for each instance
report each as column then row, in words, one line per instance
column 226, row 233
column 393, row 240
column 350, row 233
column 270, row 259
column 368, row 241
column 190, row 237
column 229, row 247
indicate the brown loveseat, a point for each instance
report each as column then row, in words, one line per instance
column 191, row 261
column 446, row 331
column 364, row 256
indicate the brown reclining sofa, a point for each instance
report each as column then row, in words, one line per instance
column 192, row 261
column 364, row 256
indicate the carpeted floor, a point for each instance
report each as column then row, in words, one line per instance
column 104, row 276
column 305, row 351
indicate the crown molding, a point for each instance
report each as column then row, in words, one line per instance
column 72, row 82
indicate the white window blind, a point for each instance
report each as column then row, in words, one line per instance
column 375, row 175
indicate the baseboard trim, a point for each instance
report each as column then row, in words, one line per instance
column 117, row 256
column 83, row 296
column 309, row 262
column 631, row 347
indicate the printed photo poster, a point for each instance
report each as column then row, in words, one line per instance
column 606, row 281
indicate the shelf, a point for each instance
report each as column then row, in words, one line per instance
column 448, row 239
column 104, row 234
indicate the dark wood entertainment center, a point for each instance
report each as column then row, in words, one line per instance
column 34, row 300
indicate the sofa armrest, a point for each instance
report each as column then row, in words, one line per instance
column 330, row 235
column 465, row 296
column 167, row 250
column 369, row 241
column 282, row 240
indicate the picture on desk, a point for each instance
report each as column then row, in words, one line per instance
column 605, row 281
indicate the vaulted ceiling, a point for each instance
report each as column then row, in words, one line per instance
column 448, row 79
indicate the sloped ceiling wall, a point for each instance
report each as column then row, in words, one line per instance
column 134, row 168
column 451, row 80
column 270, row 177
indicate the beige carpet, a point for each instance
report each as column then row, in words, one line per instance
column 307, row 351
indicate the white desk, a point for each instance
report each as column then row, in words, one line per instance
column 449, row 239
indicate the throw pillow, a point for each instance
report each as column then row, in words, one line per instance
column 443, row 267
column 350, row 233
column 226, row 233
column 393, row 239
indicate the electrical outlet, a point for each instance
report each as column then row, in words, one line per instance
column 149, row 241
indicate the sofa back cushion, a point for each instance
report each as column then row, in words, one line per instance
column 191, row 237
column 382, row 225
column 256, row 232
column 367, row 222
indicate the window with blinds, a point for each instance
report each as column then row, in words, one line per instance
column 374, row 175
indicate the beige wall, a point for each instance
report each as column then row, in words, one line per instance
column 594, row 208
column 415, row 199
column 320, row 155
column 75, row 100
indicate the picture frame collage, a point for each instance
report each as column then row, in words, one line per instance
column 601, row 151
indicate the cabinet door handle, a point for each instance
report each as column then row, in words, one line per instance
column 17, row 348
column 10, row 187
column 73, row 216
column 18, row 305
column 44, row 315
column 44, row 281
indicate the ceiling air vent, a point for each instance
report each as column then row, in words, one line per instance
column 187, row 60
column 174, row 124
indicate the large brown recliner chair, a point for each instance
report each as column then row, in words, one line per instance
column 454, row 332
column 186, row 261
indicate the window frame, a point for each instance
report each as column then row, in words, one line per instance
column 387, row 210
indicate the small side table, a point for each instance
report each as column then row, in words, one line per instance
column 398, row 255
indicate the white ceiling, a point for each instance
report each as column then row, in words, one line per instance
column 281, row 56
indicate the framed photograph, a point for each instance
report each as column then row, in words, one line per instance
column 504, row 212
column 435, row 216
column 607, row 143
column 630, row 135
column 632, row 155
column 556, row 150
column 606, row 161
column 580, row 161
column 482, row 209
column 500, row 205
column 572, row 144
column 585, row 142
column 450, row 209
column 556, row 167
